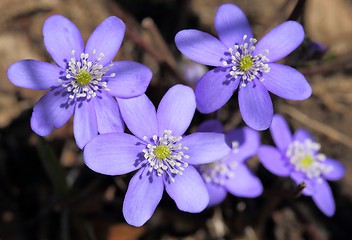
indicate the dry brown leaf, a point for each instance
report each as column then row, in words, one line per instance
column 124, row 231
column 10, row 108
column 14, row 46
column 330, row 23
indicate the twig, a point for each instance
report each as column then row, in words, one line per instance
column 316, row 125
column 133, row 32
column 338, row 63
column 299, row 188
column 150, row 26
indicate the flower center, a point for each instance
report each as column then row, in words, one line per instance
column 217, row 172
column 220, row 171
column 162, row 152
column 307, row 161
column 305, row 158
column 165, row 155
column 246, row 65
column 84, row 79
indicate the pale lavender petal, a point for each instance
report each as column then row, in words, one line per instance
column 231, row 24
column 210, row 126
column 108, row 114
column 299, row 177
column 139, row 115
column 281, row 133
column 106, row 39
column 201, row 47
column 53, row 110
column 34, row 74
column 214, row 89
column 131, row 79
column 61, row 36
column 205, row 147
column 281, row 40
column 244, row 183
column 244, row 142
column 286, row 82
column 176, row 110
column 114, row 153
column 85, row 125
column 323, row 198
column 302, row 135
column 255, row 105
column 337, row 172
column 142, row 197
column 188, row 191
column 273, row 161
column 217, row 193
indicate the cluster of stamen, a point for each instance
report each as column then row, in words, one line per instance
column 244, row 64
column 84, row 78
column 165, row 155
column 305, row 158
column 220, row 171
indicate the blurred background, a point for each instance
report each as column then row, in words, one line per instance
column 46, row 192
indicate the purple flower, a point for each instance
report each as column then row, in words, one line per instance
column 192, row 71
column 231, row 174
column 164, row 158
column 240, row 62
column 84, row 81
column 298, row 157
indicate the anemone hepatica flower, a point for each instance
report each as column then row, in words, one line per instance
column 230, row 174
column 84, row 81
column 163, row 156
column 298, row 156
column 241, row 62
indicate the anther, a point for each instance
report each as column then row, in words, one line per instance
column 164, row 154
column 245, row 64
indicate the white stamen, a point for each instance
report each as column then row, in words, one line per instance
column 235, row 145
column 305, row 158
column 94, row 70
column 172, row 164
column 217, row 172
column 258, row 64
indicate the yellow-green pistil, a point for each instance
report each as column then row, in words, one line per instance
column 165, row 155
column 305, row 158
column 83, row 77
column 307, row 161
column 162, row 152
column 246, row 63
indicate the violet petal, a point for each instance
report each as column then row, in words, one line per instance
column 131, row 79
column 286, row 82
column 106, row 39
column 201, row 47
column 176, row 109
column 61, row 36
column 214, row 89
column 34, row 74
column 142, row 197
column 273, row 161
column 114, row 153
column 255, row 105
column 188, row 191
column 231, row 24
column 53, row 110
